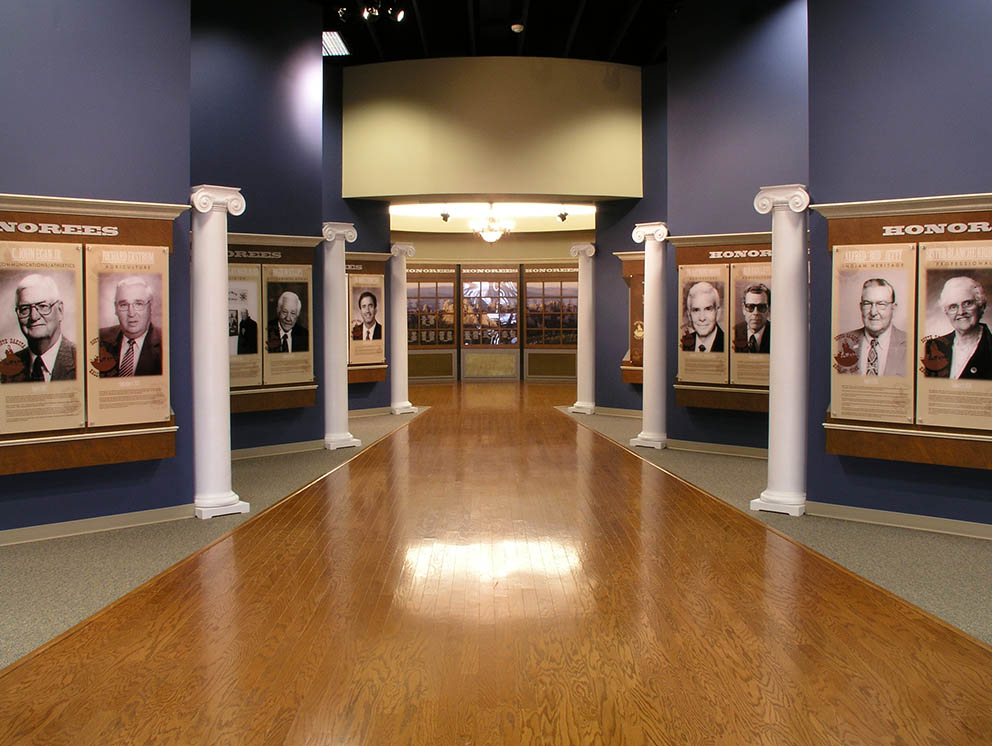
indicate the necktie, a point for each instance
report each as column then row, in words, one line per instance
column 127, row 362
column 285, row 343
column 368, row 334
column 702, row 348
column 38, row 370
column 873, row 358
column 752, row 344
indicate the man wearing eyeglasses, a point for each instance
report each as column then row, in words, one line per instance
column 135, row 344
column 965, row 352
column 49, row 356
column 754, row 334
column 878, row 348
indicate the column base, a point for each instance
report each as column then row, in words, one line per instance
column 773, row 501
column 650, row 440
column 344, row 440
column 212, row 511
column 582, row 407
column 403, row 408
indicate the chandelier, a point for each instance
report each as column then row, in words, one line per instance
column 491, row 229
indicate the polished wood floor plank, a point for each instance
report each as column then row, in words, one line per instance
column 497, row 574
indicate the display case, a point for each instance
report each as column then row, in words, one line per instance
column 632, row 269
column 551, row 321
column 490, row 321
column 432, row 321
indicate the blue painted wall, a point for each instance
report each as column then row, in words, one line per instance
column 102, row 110
column 899, row 108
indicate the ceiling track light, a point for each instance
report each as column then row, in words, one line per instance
column 370, row 10
column 396, row 12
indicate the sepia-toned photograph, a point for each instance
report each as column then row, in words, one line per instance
column 130, row 325
column 873, row 332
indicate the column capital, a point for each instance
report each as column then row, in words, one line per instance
column 786, row 196
column 402, row 249
column 584, row 249
column 207, row 197
column 333, row 231
column 642, row 231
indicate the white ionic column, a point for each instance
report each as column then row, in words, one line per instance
column 399, row 388
column 788, row 361
column 585, row 370
column 336, row 433
column 211, row 367
column 654, row 403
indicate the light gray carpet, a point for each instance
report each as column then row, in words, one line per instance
column 948, row 576
column 48, row 586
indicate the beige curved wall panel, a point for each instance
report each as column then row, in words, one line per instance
column 492, row 126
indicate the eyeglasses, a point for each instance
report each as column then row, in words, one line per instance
column 965, row 305
column 879, row 305
column 752, row 307
column 138, row 305
column 44, row 308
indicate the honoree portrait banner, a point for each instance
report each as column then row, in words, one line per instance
column 127, row 332
column 288, row 352
column 244, row 289
column 954, row 384
column 367, row 334
column 41, row 337
column 873, row 332
column 703, row 342
column 750, row 319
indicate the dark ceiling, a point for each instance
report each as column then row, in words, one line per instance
column 625, row 31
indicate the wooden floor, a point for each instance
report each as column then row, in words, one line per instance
column 497, row 574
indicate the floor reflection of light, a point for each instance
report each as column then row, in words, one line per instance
column 496, row 560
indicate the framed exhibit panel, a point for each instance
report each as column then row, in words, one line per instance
column 41, row 337
column 269, row 300
column 244, row 309
column 955, row 374
column 432, row 321
column 551, row 321
column 750, row 320
column 367, row 314
column 724, row 307
column 632, row 269
column 490, row 329
column 127, row 329
column 703, row 342
column 873, row 332
column 286, row 315
column 72, row 271
column 941, row 248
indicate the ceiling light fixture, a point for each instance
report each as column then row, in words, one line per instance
column 491, row 229
column 562, row 216
column 396, row 12
column 370, row 10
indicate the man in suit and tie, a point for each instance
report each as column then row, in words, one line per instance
column 754, row 334
column 878, row 348
column 703, row 302
column 368, row 328
column 247, row 334
column 49, row 356
column 285, row 332
column 134, row 344
column 965, row 352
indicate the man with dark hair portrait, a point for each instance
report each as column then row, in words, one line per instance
column 965, row 352
column 285, row 332
column 134, row 344
column 49, row 356
column 368, row 327
column 703, row 303
column 754, row 334
column 878, row 348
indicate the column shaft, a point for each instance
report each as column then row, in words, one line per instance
column 585, row 368
column 655, row 396
column 399, row 387
column 211, row 365
column 336, row 434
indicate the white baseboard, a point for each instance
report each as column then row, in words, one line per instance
column 93, row 525
column 613, row 412
column 900, row 520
